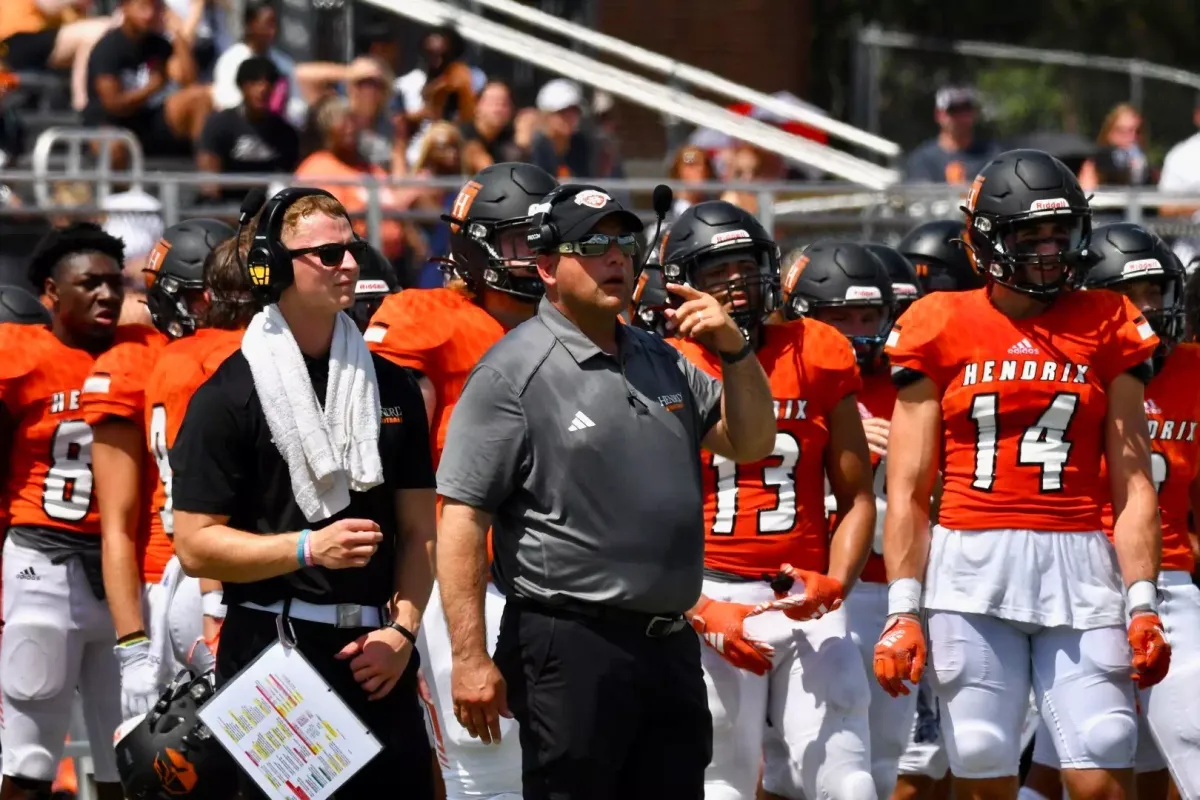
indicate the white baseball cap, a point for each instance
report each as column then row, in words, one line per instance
column 559, row 95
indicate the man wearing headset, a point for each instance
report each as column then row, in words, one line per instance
column 577, row 439
column 338, row 562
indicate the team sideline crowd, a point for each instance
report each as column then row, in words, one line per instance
column 969, row 516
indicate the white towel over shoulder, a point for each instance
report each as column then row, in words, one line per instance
column 329, row 452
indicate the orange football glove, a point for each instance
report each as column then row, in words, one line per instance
column 900, row 654
column 822, row 594
column 1151, row 650
column 720, row 625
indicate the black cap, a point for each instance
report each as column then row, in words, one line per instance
column 577, row 208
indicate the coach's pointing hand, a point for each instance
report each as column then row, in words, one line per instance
column 345, row 543
column 704, row 319
column 480, row 697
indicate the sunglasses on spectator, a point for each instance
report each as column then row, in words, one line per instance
column 332, row 255
column 597, row 244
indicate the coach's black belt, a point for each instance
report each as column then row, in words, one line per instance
column 652, row 625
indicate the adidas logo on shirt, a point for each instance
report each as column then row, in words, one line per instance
column 1023, row 348
column 580, row 421
column 1152, row 407
column 28, row 574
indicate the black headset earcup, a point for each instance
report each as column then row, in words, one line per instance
column 258, row 266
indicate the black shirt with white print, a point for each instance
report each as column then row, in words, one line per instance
column 225, row 463
column 245, row 146
column 130, row 61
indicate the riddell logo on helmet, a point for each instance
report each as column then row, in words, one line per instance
column 863, row 293
column 1048, row 205
column 729, row 236
column 1142, row 265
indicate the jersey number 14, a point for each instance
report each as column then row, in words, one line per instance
column 1042, row 445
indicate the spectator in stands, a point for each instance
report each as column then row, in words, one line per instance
column 1181, row 169
column 127, row 72
column 561, row 147
column 340, row 158
column 135, row 218
column 384, row 128
column 441, row 156
column 251, row 138
column 443, row 86
column 260, row 24
column 609, row 163
column 1122, row 159
column 690, row 165
column 43, row 35
column 203, row 24
column 957, row 154
column 748, row 164
column 490, row 138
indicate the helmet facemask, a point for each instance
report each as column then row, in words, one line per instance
column 1013, row 250
column 170, row 300
column 1168, row 321
column 498, row 255
column 744, row 279
column 868, row 348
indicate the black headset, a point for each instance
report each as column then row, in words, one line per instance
column 543, row 236
column 269, row 263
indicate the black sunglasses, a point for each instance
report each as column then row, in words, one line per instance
column 332, row 255
column 597, row 244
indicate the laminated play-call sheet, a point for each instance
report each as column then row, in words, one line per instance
column 287, row 729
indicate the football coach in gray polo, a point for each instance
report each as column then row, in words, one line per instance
column 577, row 439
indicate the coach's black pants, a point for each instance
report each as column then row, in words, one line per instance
column 605, row 712
column 404, row 768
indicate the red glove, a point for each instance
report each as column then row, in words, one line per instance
column 720, row 625
column 900, row 654
column 822, row 594
column 1151, row 650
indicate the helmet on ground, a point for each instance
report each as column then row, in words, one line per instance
column 833, row 274
column 1028, row 224
column 935, row 250
column 489, row 220
column 175, row 272
column 723, row 250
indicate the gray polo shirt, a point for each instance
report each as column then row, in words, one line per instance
column 589, row 464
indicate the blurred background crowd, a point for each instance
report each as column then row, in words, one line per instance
column 391, row 113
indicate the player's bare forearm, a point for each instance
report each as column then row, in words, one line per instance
column 208, row 548
column 914, row 441
column 462, row 576
column 416, row 512
column 117, row 450
column 1137, row 535
column 848, row 466
column 746, row 430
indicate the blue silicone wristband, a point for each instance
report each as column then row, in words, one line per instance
column 300, row 547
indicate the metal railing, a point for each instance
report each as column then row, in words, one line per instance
column 677, row 71
column 640, row 91
column 76, row 139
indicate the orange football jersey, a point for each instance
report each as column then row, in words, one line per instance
column 439, row 332
column 116, row 387
column 771, row 512
column 877, row 398
column 1023, row 402
column 1173, row 412
column 49, row 482
column 182, row 366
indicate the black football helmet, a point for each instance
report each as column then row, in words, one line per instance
column 169, row 753
column 488, row 223
column 176, row 268
column 1010, row 204
column 1122, row 253
column 376, row 280
column 906, row 286
column 935, row 250
column 838, row 274
column 712, row 234
column 21, row 307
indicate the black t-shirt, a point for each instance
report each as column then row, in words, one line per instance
column 246, row 146
column 225, row 463
column 130, row 61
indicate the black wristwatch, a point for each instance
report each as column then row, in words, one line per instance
column 403, row 631
column 733, row 358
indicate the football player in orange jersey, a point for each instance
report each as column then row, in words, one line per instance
column 1016, row 391
column 1131, row 260
column 442, row 333
column 55, row 616
column 787, row 691
column 140, row 574
column 847, row 286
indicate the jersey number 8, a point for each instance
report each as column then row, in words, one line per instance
column 67, row 491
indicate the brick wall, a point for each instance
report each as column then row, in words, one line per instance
column 757, row 43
